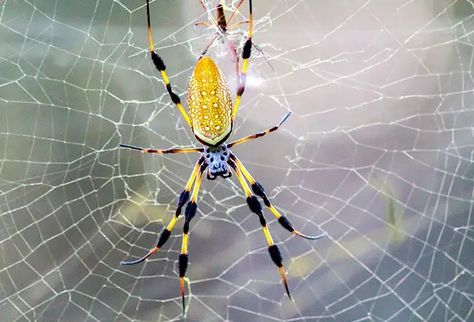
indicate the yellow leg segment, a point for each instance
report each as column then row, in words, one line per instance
column 243, row 183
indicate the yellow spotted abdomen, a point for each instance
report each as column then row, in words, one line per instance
column 210, row 103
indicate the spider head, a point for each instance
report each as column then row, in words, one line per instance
column 216, row 159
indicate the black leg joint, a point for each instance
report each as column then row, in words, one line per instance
column 190, row 211
column 275, row 255
column 254, row 205
column 232, row 163
column 186, row 227
column 159, row 64
column 183, row 198
column 241, row 89
column 174, row 97
column 258, row 190
column 163, row 238
column 286, row 224
column 183, row 264
column 247, row 48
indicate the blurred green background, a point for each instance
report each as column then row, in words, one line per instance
column 378, row 153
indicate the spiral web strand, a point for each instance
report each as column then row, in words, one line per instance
column 378, row 154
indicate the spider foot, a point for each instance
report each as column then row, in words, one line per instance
column 297, row 233
column 130, row 147
column 283, row 120
column 288, row 226
column 133, row 262
column 285, row 283
column 181, row 290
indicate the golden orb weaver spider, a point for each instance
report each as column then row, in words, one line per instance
column 211, row 117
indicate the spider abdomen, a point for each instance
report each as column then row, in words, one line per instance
column 210, row 103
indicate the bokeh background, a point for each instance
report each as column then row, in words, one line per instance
column 378, row 153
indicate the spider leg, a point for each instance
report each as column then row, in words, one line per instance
column 260, row 50
column 255, row 206
column 160, row 65
column 235, row 56
column 208, row 46
column 162, row 151
column 258, row 190
column 189, row 214
column 165, row 234
column 245, row 63
column 238, row 23
column 259, row 134
column 202, row 23
column 209, row 16
column 237, row 6
column 203, row 5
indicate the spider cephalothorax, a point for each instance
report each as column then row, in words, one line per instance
column 217, row 159
column 211, row 117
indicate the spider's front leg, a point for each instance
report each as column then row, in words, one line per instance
column 160, row 65
column 166, row 233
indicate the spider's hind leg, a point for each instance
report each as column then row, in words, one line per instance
column 189, row 214
column 259, row 191
column 255, row 206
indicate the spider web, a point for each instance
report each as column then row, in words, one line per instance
column 378, row 153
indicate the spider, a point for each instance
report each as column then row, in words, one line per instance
column 222, row 26
column 211, row 117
